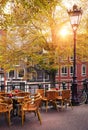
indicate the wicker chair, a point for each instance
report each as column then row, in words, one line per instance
column 31, row 106
column 5, row 108
column 51, row 97
column 7, row 100
column 43, row 97
column 47, row 97
column 65, row 98
column 1, row 99
column 2, row 93
column 41, row 92
column 23, row 94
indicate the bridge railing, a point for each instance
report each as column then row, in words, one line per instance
column 32, row 86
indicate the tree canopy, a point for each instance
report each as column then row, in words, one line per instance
column 33, row 34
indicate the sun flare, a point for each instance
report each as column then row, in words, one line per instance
column 64, row 32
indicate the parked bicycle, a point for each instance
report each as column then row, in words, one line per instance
column 82, row 96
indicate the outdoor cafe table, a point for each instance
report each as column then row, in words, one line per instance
column 16, row 100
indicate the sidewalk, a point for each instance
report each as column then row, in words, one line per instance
column 76, row 119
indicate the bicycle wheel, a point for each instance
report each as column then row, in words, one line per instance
column 82, row 98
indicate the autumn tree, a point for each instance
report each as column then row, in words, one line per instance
column 33, row 35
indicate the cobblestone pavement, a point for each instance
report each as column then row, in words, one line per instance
column 68, row 119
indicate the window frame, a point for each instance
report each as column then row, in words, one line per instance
column 71, row 73
column 65, row 73
column 83, row 73
column 13, row 76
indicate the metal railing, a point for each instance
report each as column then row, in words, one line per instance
column 25, row 86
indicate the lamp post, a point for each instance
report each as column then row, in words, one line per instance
column 75, row 17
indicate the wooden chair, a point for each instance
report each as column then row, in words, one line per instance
column 65, row 98
column 47, row 97
column 43, row 98
column 51, row 97
column 6, row 100
column 5, row 108
column 1, row 99
column 41, row 92
column 31, row 106
column 1, row 93
column 22, row 94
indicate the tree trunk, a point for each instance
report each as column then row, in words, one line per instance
column 52, row 78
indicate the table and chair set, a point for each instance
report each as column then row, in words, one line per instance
column 20, row 103
column 55, row 96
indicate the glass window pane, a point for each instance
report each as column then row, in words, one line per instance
column 11, row 74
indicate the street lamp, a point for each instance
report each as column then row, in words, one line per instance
column 75, row 17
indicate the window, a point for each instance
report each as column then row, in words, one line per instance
column 11, row 73
column 33, row 76
column 21, row 73
column 64, row 71
column 46, row 76
column 83, row 70
column 42, row 76
column 71, row 70
column 39, row 75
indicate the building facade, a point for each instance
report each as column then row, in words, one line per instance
column 65, row 73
